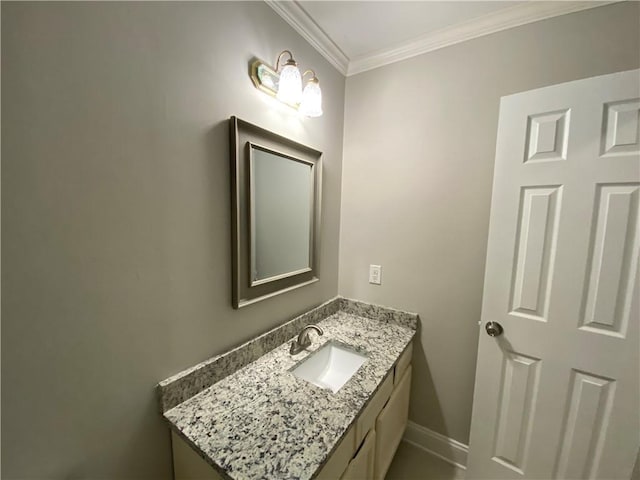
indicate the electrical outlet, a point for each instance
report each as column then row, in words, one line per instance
column 375, row 274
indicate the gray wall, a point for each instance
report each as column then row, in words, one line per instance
column 418, row 165
column 116, row 218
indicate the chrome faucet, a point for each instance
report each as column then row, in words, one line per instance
column 303, row 340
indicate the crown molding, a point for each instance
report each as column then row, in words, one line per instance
column 491, row 23
column 296, row 16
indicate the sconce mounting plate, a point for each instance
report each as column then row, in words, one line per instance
column 266, row 79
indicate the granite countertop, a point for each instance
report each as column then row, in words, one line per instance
column 263, row 422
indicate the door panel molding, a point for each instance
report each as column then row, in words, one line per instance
column 516, row 410
column 585, row 425
column 621, row 128
column 613, row 256
column 536, row 240
column 547, row 136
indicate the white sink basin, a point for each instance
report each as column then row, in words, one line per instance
column 330, row 367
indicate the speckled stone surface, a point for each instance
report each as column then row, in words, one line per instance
column 380, row 313
column 178, row 388
column 263, row 422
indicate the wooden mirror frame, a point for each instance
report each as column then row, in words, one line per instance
column 242, row 135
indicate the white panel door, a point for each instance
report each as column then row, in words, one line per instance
column 557, row 395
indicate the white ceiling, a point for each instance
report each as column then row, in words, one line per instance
column 362, row 35
column 361, row 28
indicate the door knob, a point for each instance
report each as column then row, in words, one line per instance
column 494, row 329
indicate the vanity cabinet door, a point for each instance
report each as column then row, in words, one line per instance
column 187, row 464
column 340, row 458
column 361, row 467
column 367, row 419
column 403, row 363
column 391, row 424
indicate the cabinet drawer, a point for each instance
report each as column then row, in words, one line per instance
column 368, row 416
column 391, row 424
column 361, row 467
column 403, row 363
column 340, row 458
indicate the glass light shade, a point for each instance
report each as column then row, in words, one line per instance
column 311, row 104
column 290, row 85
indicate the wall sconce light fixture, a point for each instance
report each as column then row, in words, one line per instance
column 285, row 83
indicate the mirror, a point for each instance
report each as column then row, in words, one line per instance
column 275, row 208
column 281, row 215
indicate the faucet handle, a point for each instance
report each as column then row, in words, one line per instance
column 303, row 340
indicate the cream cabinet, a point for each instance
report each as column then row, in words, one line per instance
column 187, row 464
column 340, row 458
column 366, row 450
column 391, row 423
column 362, row 464
column 372, row 442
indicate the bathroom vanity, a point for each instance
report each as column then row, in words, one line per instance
column 244, row 414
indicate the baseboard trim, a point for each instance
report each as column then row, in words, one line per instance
column 443, row 447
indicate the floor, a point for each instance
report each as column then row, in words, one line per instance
column 412, row 462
